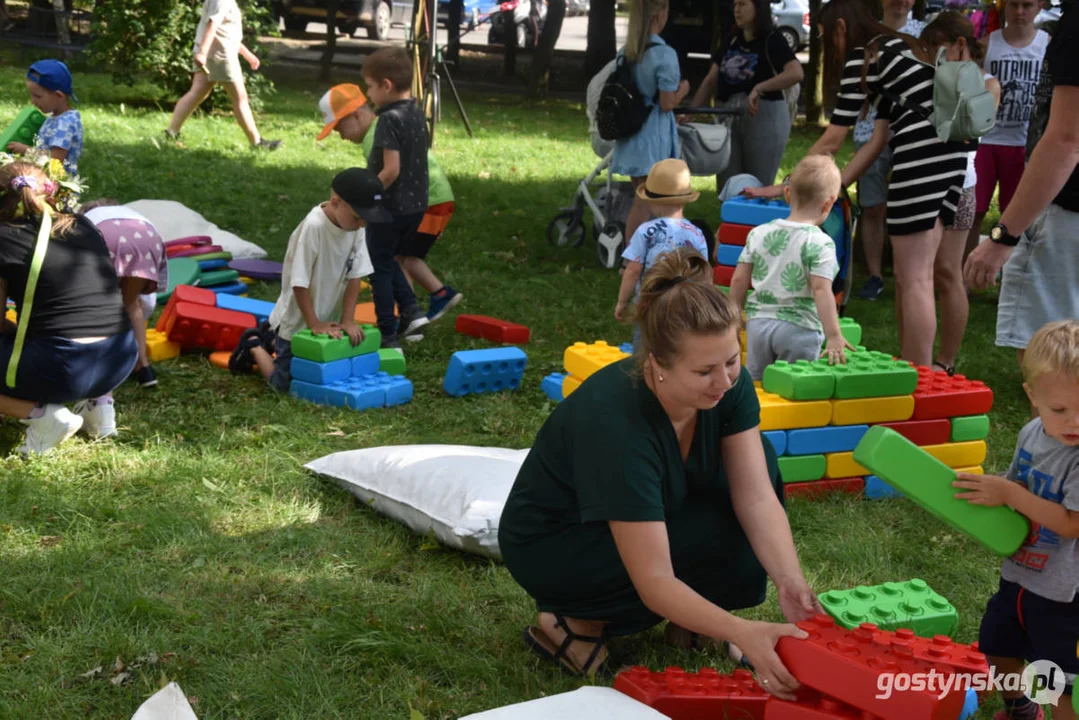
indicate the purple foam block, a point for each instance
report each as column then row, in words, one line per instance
column 257, row 269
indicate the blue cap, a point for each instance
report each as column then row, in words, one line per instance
column 52, row 75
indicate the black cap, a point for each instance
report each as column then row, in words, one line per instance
column 363, row 192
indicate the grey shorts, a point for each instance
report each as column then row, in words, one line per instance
column 1039, row 279
column 768, row 340
column 873, row 185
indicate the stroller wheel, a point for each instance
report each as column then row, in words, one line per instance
column 566, row 229
column 610, row 243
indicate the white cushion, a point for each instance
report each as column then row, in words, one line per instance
column 168, row 703
column 175, row 220
column 587, row 703
column 455, row 491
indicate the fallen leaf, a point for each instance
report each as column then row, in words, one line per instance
column 120, row 679
column 336, row 433
column 50, row 540
column 484, row 175
column 210, row 485
column 118, row 666
column 283, row 198
column 92, row 673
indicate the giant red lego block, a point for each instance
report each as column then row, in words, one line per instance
column 939, row 395
column 811, row 705
column 939, row 649
column 722, row 275
column 816, row 488
column 211, row 328
column 847, row 664
column 733, row 233
column 492, row 329
column 187, row 294
column 923, row 432
column 704, row 695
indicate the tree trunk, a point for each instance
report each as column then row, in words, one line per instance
column 601, row 46
column 510, row 57
column 814, row 73
column 331, row 40
column 544, row 53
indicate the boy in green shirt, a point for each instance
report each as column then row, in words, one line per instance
column 346, row 109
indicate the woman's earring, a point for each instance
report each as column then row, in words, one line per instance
column 661, row 378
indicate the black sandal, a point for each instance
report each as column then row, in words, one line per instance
column 946, row 368
column 532, row 637
column 240, row 361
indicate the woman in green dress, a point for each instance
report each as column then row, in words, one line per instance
column 649, row 494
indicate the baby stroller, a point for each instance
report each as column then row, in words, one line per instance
column 705, row 148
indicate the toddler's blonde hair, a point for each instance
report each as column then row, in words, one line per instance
column 814, row 179
column 1054, row 348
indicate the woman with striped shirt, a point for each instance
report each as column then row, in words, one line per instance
column 872, row 65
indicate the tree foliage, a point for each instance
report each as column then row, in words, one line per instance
column 154, row 40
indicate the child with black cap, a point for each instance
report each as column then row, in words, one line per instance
column 51, row 92
column 320, row 281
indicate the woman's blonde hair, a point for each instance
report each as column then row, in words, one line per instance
column 641, row 13
column 678, row 297
column 28, row 200
column 1054, row 348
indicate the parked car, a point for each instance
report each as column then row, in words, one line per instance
column 376, row 16
column 792, row 21
column 577, row 7
column 528, row 19
column 1048, row 17
column 473, row 13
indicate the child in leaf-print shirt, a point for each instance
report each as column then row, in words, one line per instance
column 792, row 264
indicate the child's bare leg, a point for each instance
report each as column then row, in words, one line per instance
column 15, row 408
column 200, row 90
column 954, row 304
column 242, row 109
column 416, row 269
column 263, row 360
column 1009, row 666
column 1064, row 709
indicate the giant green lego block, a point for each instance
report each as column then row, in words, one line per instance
column 23, row 129
column 972, row 427
column 872, row 374
column 928, row 482
column 851, row 330
column 893, row 605
column 802, row 468
column 324, row 349
column 217, row 277
column 391, row 360
column 801, row 380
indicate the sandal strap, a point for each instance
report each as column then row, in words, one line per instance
column 572, row 637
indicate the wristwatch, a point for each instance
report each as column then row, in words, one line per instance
column 1000, row 235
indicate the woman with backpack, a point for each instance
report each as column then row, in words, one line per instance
column 868, row 63
column 753, row 69
column 656, row 73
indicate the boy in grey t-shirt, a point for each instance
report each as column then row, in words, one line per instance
column 1035, row 613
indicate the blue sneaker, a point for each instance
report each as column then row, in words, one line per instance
column 872, row 289
column 439, row 305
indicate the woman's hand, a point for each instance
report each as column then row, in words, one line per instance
column 754, row 103
column 757, row 640
column 797, row 600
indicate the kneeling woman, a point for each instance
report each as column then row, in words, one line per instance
column 78, row 344
column 649, row 494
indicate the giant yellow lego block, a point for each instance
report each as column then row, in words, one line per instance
column 870, row 411
column 581, row 359
column 11, row 315
column 780, row 414
column 569, row 384
column 976, row 470
column 960, row 454
column 158, row 346
column 842, row 465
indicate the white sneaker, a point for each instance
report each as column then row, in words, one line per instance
column 46, row 432
column 98, row 421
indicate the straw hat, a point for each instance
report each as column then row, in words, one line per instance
column 668, row 183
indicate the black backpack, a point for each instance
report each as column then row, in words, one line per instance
column 621, row 110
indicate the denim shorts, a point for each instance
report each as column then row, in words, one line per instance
column 281, row 377
column 873, row 185
column 57, row 370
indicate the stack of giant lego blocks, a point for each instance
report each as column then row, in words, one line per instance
column 196, row 319
column 815, row 414
column 739, row 215
column 331, row 371
column 581, row 360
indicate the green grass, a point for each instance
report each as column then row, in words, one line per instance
column 269, row 593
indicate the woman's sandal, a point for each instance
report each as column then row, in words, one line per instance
column 950, row 369
column 539, row 643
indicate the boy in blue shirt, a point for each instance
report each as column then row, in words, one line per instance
column 51, row 92
column 1034, row 614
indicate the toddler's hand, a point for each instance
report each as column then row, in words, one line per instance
column 325, row 328
column 17, row 148
column 835, row 350
column 354, row 332
column 619, row 310
column 988, row 490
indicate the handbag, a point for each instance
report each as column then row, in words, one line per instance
column 705, row 147
column 40, row 247
column 791, row 94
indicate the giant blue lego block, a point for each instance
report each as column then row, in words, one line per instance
column 261, row 309
column 356, row 393
column 233, row 288
column 212, row 264
column 778, row 439
column 552, row 386
column 832, row 439
column 366, row 364
column 728, row 254
column 627, row 348
column 335, row 394
column 320, row 373
column 398, row 390
column 876, row 489
column 746, row 211
column 484, row 371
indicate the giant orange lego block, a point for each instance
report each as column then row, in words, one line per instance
column 583, row 359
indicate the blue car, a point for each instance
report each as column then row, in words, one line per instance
column 475, row 12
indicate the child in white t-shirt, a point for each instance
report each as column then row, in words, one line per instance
column 792, row 264
column 320, row 281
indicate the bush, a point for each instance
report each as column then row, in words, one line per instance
column 154, row 39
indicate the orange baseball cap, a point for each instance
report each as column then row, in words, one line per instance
column 337, row 104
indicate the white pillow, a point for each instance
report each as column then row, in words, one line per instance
column 456, row 491
column 168, row 703
column 587, row 703
column 175, row 220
